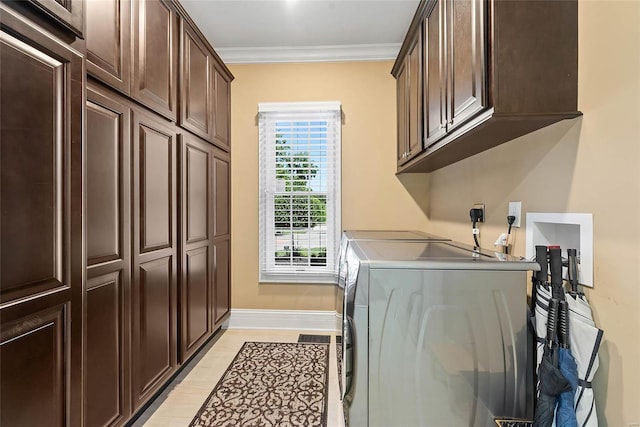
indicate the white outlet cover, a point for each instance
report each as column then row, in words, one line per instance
column 515, row 209
column 568, row 230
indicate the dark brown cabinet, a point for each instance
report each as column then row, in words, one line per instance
column 493, row 71
column 108, row 290
column 221, row 108
column 222, row 239
column 410, row 95
column 155, row 55
column 154, row 266
column 196, row 276
column 41, row 248
column 108, row 39
column 196, row 85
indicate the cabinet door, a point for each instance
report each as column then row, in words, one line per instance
column 154, row 255
column 196, row 277
column 415, row 96
column 108, row 259
column 41, row 255
column 108, row 37
column 155, row 55
column 435, row 83
column 402, row 85
column 222, row 190
column 222, row 267
column 466, row 41
column 222, row 115
column 196, row 85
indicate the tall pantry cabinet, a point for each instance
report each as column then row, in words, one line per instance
column 100, row 305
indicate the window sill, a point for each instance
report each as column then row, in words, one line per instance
column 298, row 279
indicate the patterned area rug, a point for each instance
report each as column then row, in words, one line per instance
column 270, row 384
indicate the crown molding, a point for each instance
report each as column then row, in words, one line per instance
column 337, row 53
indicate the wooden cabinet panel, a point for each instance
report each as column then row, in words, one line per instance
column 41, row 258
column 108, row 37
column 196, row 293
column 196, row 277
column 156, row 148
column 155, row 55
column 108, row 258
column 222, row 264
column 414, row 143
column 197, row 165
column 222, row 201
column 466, row 61
column 107, row 350
column 154, row 269
column 32, row 189
column 196, row 86
column 402, row 84
column 108, row 130
column 66, row 12
column 435, row 121
column 221, row 111
column 34, row 385
column 153, row 327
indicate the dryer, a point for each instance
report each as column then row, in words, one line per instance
column 434, row 334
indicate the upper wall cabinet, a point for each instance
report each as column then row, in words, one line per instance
column 155, row 56
column 108, row 36
column 492, row 71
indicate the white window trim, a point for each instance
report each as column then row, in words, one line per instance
column 309, row 276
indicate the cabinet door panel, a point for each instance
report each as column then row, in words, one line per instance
column 402, row 84
column 415, row 98
column 155, row 55
column 155, row 151
column 196, row 293
column 222, row 201
column 154, row 273
column 195, row 88
column 154, row 330
column 107, row 402
column 108, row 258
column 34, row 359
column 221, row 110
column 222, row 262
column 41, row 247
column 32, row 169
column 196, row 280
column 435, row 83
column 108, row 37
column 466, row 59
column 107, row 164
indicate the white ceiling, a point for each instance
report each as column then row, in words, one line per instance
column 305, row 30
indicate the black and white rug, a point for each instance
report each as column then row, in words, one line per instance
column 270, row 384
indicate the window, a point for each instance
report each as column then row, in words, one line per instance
column 299, row 191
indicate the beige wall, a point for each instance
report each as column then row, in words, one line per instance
column 591, row 164
column 372, row 197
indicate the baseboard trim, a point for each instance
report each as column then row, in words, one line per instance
column 282, row 319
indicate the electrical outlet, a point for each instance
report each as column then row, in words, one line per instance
column 481, row 207
column 515, row 209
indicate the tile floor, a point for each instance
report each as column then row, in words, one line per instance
column 179, row 402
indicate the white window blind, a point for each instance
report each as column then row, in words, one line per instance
column 299, row 191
